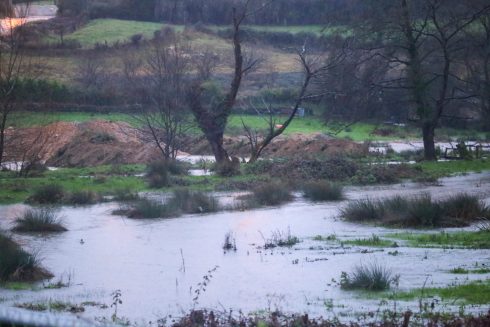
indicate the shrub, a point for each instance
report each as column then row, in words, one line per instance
column 372, row 277
column 323, row 191
column 125, row 195
column 83, row 197
column 39, row 220
column 47, row 194
column 18, row 265
column 157, row 174
column 176, row 167
column 193, row 202
column 271, row 194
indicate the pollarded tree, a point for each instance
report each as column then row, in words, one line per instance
column 210, row 106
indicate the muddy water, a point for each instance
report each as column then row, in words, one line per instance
column 158, row 264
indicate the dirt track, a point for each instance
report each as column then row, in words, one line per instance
column 68, row 144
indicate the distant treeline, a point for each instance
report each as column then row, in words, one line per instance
column 218, row 12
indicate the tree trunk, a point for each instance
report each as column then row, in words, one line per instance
column 219, row 152
column 428, row 129
column 3, row 125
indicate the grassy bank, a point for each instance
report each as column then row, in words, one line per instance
column 477, row 292
column 463, row 239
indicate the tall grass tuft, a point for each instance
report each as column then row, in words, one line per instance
column 371, row 277
column 418, row 211
column 193, row 202
column 271, row 194
column 84, row 197
column 465, row 207
column 323, row 191
column 47, row 194
column 39, row 220
column 362, row 210
column 18, row 265
column 148, row 209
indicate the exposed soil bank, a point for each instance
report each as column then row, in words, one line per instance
column 68, row 144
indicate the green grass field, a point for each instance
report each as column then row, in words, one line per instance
column 114, row 30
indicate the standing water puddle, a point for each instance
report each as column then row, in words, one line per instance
column 158, row 264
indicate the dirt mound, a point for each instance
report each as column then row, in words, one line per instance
column 92, row 143
column 285, row 146
column 67, row 144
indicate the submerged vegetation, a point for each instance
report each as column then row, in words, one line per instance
column 461, row 239
column 419, row 211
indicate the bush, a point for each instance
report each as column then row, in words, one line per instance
column 83, row 197
column 323, row 191
column 271, row 194
column 18, row 265
column 373, row 277
column 125, row 195
column 157, row 174
column 193, row 202
column 39, row 220
column 424, row 212
column 47, row 194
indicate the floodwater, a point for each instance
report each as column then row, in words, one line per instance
column 158, row 264
column 25, row 14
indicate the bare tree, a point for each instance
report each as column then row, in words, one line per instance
column 13, row 67
column 210, row 106
column 312, row 68
column 160, row 81
column 421, row 40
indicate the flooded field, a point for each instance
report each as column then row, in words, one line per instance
column 159, row 265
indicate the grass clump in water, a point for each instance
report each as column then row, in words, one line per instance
column 84, row 197
column 39, row 220
column 230, row 242
column 461, row 270
column 47, row 194
column 323, row 191
column 374, row 241
column 182, row 201
column 281, row 239
column 17, row 265
column 193, row 202
column 271, row 194
column 372, row 277
column 420, row 211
